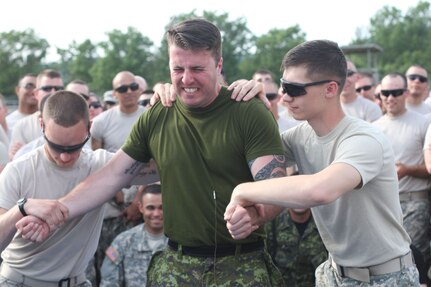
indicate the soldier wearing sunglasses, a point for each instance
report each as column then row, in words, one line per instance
column 347, row 176
column 364, row 86
column 28, row 128
column 352, row 103
column 27, row 102
column 109, row 131
column 417, row 83
column 49, row 172
column 406, row 131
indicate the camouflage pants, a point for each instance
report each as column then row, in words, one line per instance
column 4, row 282
column 171, row 268
column 416, row 220
column 326, row 276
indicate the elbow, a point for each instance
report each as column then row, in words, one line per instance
column 321, row 196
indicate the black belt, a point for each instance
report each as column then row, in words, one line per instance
column 217, row 251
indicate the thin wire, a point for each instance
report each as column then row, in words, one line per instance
column 215, row 235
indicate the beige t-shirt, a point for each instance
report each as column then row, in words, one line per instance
column 67, row 251
column 364, row 226
column 407, row 136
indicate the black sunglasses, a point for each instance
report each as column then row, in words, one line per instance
column 50, row 88
column 94, row 105
column 298, row 89
column 66, row 149
column 271, row 96
column 421, row 78
column 395, row 93
column 364, row 88
column 350, row 73
column 144, row 102
column 124, row 88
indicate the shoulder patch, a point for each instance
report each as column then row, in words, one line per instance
column 112, row 254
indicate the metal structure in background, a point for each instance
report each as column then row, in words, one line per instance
column 370, row 54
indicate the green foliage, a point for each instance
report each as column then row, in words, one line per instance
column 405, row 39
column 270, row 49
column 20, row 53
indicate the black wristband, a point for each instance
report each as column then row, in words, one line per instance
column 21, row 203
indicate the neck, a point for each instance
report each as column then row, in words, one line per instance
column 128, row 110
column 326, row 122
column 414, row 100
column 300, row 217
column 347, row 98
column 27, row 109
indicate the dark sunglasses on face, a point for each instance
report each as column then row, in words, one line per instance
column 50, row 88
column 144, row 102
column 364, row 88
column 395, row 93
column 124, row 88
column 350, row 73
column 298, row 89
column 414, row 77
column 29, row 86
column 66, row 149
column 94, row 105
column 271, row 96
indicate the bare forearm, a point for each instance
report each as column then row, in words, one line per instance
column 419, row 171
column 7, row 225
column 102, row 185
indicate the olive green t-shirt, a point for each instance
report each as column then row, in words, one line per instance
column 202, row 154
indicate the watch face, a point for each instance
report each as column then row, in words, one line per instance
column 22, row 200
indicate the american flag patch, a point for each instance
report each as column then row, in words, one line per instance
column 112, row 253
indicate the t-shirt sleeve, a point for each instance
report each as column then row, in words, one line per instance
column 364, row 153
column 9, row 187
column 136, row 145
column 261, row 132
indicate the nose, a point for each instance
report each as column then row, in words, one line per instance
column 287, row 98
column 187, row 77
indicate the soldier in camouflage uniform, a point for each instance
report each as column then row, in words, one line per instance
column 129, row 255
column 295, row 246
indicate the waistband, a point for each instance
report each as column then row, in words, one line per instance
column 363, row 273
column 414, row 195
column 216, row 251
column 13, row 275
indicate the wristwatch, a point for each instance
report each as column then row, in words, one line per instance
column 21, row 203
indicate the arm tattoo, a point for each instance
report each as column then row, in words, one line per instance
column 274, row 168
column 133, row 168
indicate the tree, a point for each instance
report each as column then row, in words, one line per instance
column 270, row 50
column 77, row 61
column 405, row 39
column 129, row 51
column 20, row 53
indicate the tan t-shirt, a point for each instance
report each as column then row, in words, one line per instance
column 364, row 226
column 68, row 250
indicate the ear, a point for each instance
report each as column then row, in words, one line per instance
column 41, row 121
column 332, row 89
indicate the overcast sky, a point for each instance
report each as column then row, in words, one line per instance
column 61, row 22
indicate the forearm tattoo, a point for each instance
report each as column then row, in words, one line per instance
column 133, row 169
column 274, row 168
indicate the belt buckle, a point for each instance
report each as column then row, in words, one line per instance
column 60, row 283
